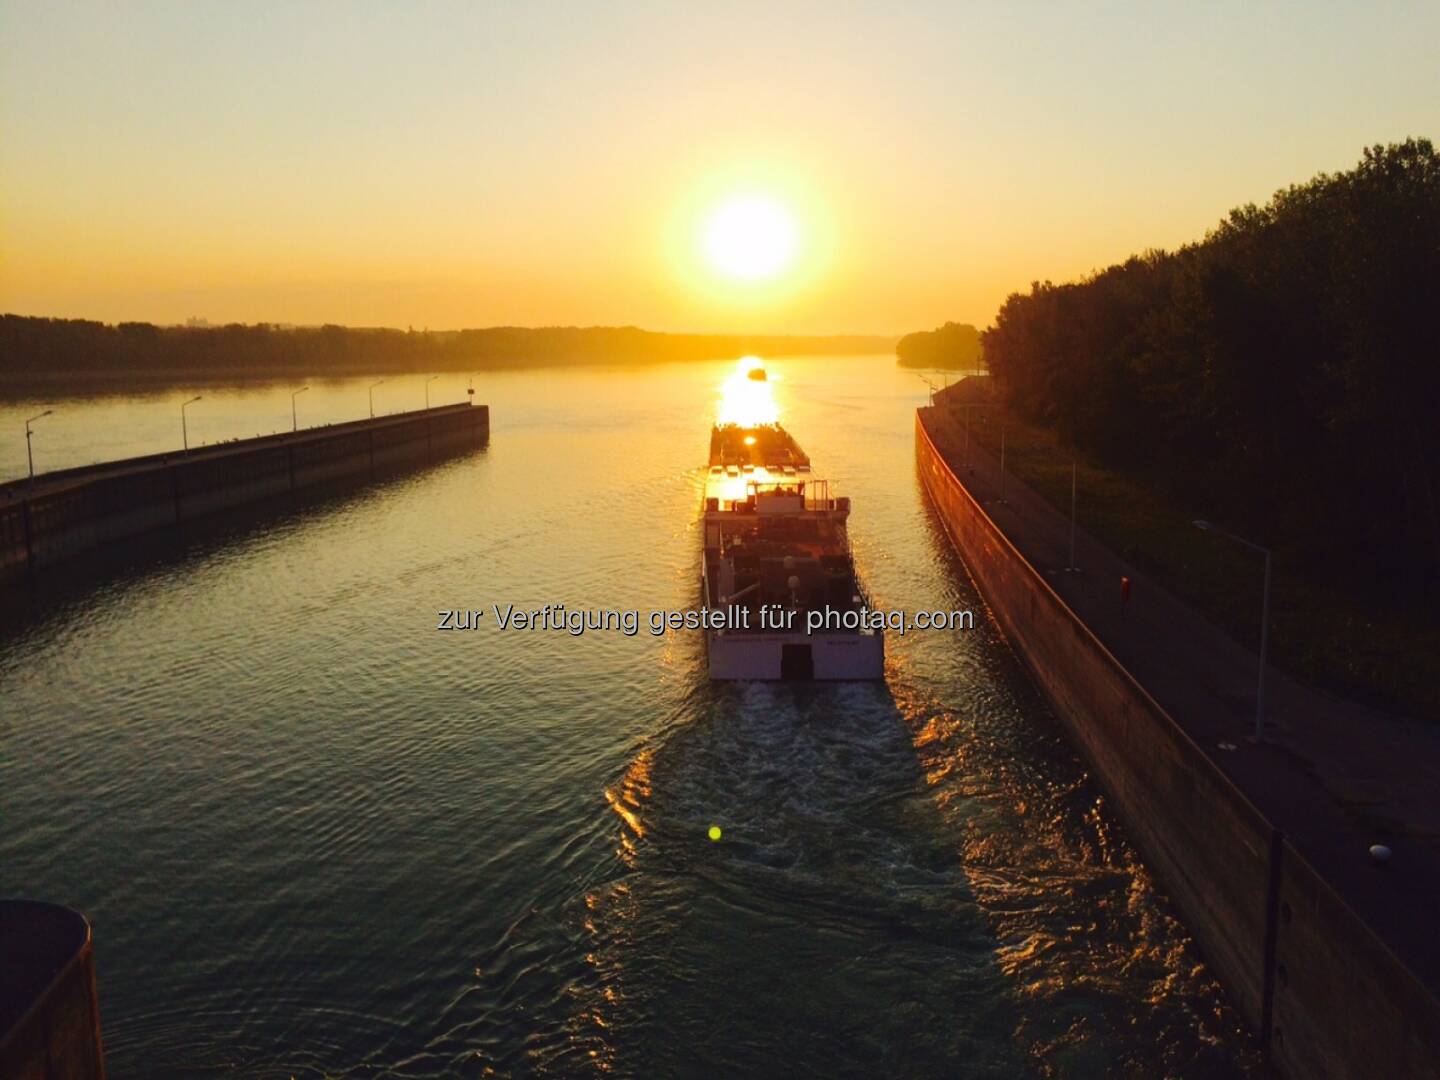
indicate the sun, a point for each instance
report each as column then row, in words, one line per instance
column 751, row 237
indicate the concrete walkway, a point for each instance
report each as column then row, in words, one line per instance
column 1335, row 776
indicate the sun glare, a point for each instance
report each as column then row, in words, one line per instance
column 746, row 397
column 752, row 237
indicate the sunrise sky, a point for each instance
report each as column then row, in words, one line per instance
column 751, row 167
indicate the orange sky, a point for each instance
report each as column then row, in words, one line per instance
column 449, row 165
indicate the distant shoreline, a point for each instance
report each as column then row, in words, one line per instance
column 40, row 352
column 15, row 385
column 256, row 373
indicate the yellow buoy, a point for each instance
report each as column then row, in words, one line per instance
column 714, row 832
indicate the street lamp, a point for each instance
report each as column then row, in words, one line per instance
column 1002, row 462
column 428, row 381
column 928, row 383
column 372, row 396
column 28, row 453
column 185, row 431
column 1264, row 620
column 1074, row 467
column 969, row 465
column 294, row 425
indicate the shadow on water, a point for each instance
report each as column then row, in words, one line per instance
column 832, row 928
column 916, row 878
column 895, row 893
column 831, row 931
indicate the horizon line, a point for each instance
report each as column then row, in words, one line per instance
column 203, row 323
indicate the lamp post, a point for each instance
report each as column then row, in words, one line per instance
column 969, row 464
column 1002, row 462
column 928, row 383
column 1072, row 567
column 372, row 397
column 184, row 430
column 1264, row 621
column 428, row 381
column 29, row 454
column 294, row 424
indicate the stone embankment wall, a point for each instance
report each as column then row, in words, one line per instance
column 1322, row 992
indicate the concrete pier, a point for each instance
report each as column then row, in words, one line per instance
column 77, row 511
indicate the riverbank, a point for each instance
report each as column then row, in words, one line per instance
column 1328, row 954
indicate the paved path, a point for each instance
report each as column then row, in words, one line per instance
column 1335, row 776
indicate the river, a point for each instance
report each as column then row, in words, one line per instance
column 316, row 837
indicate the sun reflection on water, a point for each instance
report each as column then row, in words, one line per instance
column 627, row 798
column 746, row 397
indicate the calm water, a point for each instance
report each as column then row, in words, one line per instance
column 315, row 836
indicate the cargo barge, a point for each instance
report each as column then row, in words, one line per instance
column 777, row 560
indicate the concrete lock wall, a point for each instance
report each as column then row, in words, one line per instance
column 62, row 524
column 133, row 503
column 14, row 550
column 1322, row 992
column 74, row 511
column 343, row 458
column 1344, row 1005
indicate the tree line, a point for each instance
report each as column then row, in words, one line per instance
column 954, row 346
column 39, row 347
column 1281, row 376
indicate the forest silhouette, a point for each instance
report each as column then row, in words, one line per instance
column 1281, row 373
column 40, row 348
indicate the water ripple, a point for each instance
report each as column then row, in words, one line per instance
column 317, row 838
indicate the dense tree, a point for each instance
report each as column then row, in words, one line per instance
column 1282, row 373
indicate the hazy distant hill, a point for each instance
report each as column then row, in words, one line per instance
column 33, row 348
column 955, row 346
